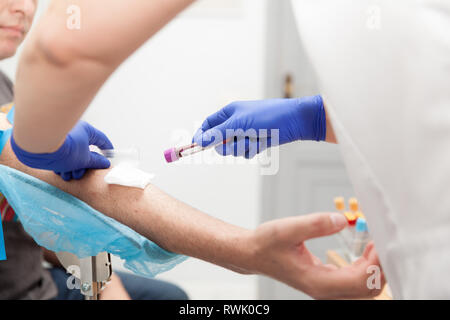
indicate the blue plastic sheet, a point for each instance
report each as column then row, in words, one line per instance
column 4, row 136
column 2, row 244
column 60, row 222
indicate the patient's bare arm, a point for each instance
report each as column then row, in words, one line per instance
column 275, row 249
column 168, row 222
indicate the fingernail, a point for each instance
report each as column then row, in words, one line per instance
column 338, row 220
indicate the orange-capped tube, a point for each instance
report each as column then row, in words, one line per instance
column 339, row 203
column 353, row 204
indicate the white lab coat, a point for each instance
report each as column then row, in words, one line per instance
column 384, row 71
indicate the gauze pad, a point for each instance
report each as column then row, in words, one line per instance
column 125, row 168
column 126, row 174
column 60, row 222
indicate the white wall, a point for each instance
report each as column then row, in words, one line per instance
column 209, row 56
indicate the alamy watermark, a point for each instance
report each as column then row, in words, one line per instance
column 373, row 21
column 74, row 17
column 73, row 281
column 374, row 280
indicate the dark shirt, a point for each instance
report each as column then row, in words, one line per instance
column 22, row 275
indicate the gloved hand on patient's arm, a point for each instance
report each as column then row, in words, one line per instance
column 247, row 126
column 280, row 253
column 74, row 157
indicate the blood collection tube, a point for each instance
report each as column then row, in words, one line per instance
column 339, row 203
column 354, row 208
column 353, row 204
column 174, row 154
column 361, row 237
column 351, row 218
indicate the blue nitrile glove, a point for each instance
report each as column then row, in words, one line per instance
column 296, row 119
column 73, row 158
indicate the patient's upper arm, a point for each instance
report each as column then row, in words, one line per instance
column 117, row 202
column 86, row 189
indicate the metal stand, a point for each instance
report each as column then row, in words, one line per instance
column 93, row 273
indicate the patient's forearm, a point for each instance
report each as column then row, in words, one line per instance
column 168, row 222
column 275, row 248
column 61, row 69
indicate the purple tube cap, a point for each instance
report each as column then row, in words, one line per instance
column 170, row 155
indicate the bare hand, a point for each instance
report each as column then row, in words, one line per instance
column 280, row 253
